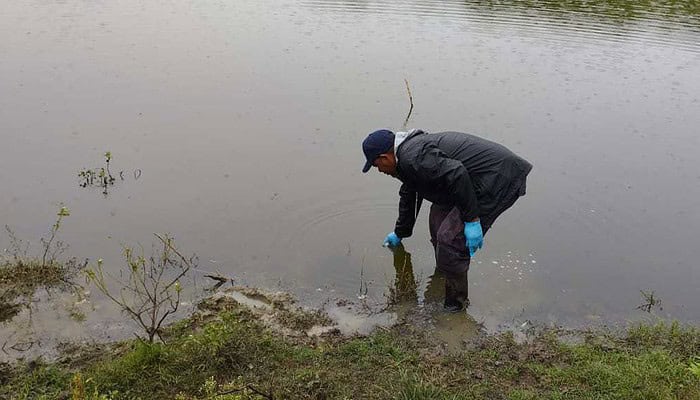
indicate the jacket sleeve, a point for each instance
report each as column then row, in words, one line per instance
column 408, row 210
column 449, row 176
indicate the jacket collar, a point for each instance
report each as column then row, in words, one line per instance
column 399, row 139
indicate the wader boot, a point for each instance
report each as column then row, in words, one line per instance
column 456, row 292
column 451, row 253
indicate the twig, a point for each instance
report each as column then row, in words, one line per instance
column 22, row 346
column 169, row 245
column 220, row 281
column 218, row 278
column 410, row 98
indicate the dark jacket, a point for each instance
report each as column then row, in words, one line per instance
column 454, row 169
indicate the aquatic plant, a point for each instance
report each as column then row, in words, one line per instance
column 152, row 291
column 102, row 176
column 650, row 301
column 63, row 212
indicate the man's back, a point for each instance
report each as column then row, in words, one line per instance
column 491, row 166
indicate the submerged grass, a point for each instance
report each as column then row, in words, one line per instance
column 234, row 356
column 19, row 279
column 22, row 274
column 26, row 276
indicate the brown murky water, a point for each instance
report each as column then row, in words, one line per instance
column 245, row 118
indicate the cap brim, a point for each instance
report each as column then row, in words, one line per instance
column 367, row 167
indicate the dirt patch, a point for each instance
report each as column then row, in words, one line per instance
column 276, row 310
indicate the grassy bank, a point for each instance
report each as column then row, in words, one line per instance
column 226, row 352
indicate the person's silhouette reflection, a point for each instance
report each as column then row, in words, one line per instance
column 405, row 286
column 404, row 289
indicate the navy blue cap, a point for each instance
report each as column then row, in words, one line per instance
column 376, row 144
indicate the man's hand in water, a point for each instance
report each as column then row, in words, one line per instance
column 392, row 240
column 474, row 236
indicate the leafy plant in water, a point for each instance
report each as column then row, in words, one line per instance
column 21, row 274
column 52, row 250
column 63, row 212
column 152, row 291
column 102, row 176
column 650, row 301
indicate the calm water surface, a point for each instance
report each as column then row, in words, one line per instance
column 246, row 117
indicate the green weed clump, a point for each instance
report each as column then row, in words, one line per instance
column 694, row 367
column 21, row 274
column 680, row 341
column 102, row 177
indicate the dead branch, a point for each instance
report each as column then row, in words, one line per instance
column 410, row 110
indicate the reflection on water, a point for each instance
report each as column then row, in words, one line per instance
column 649, row 21
column 615, row 10
column 405, row 285
column 452, row 329
column 405, row 288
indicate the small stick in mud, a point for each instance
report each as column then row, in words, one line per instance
column 220, row 280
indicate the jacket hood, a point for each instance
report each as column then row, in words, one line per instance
column 400, row 137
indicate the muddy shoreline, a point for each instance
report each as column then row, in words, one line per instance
column 246, row 343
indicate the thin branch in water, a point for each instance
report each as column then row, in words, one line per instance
column 410, row 98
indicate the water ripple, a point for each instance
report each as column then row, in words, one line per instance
column 662, row 23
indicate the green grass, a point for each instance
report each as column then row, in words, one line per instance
column 237, row 356
column 36, row 381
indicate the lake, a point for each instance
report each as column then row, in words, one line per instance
column 238, row 127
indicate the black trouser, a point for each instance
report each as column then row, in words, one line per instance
column 451, row 252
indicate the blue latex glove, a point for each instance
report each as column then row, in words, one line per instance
column 392, row 240
column 474, row 235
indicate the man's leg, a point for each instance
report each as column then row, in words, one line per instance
column 437, row 215
column 436, row 285
column 451, row 255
